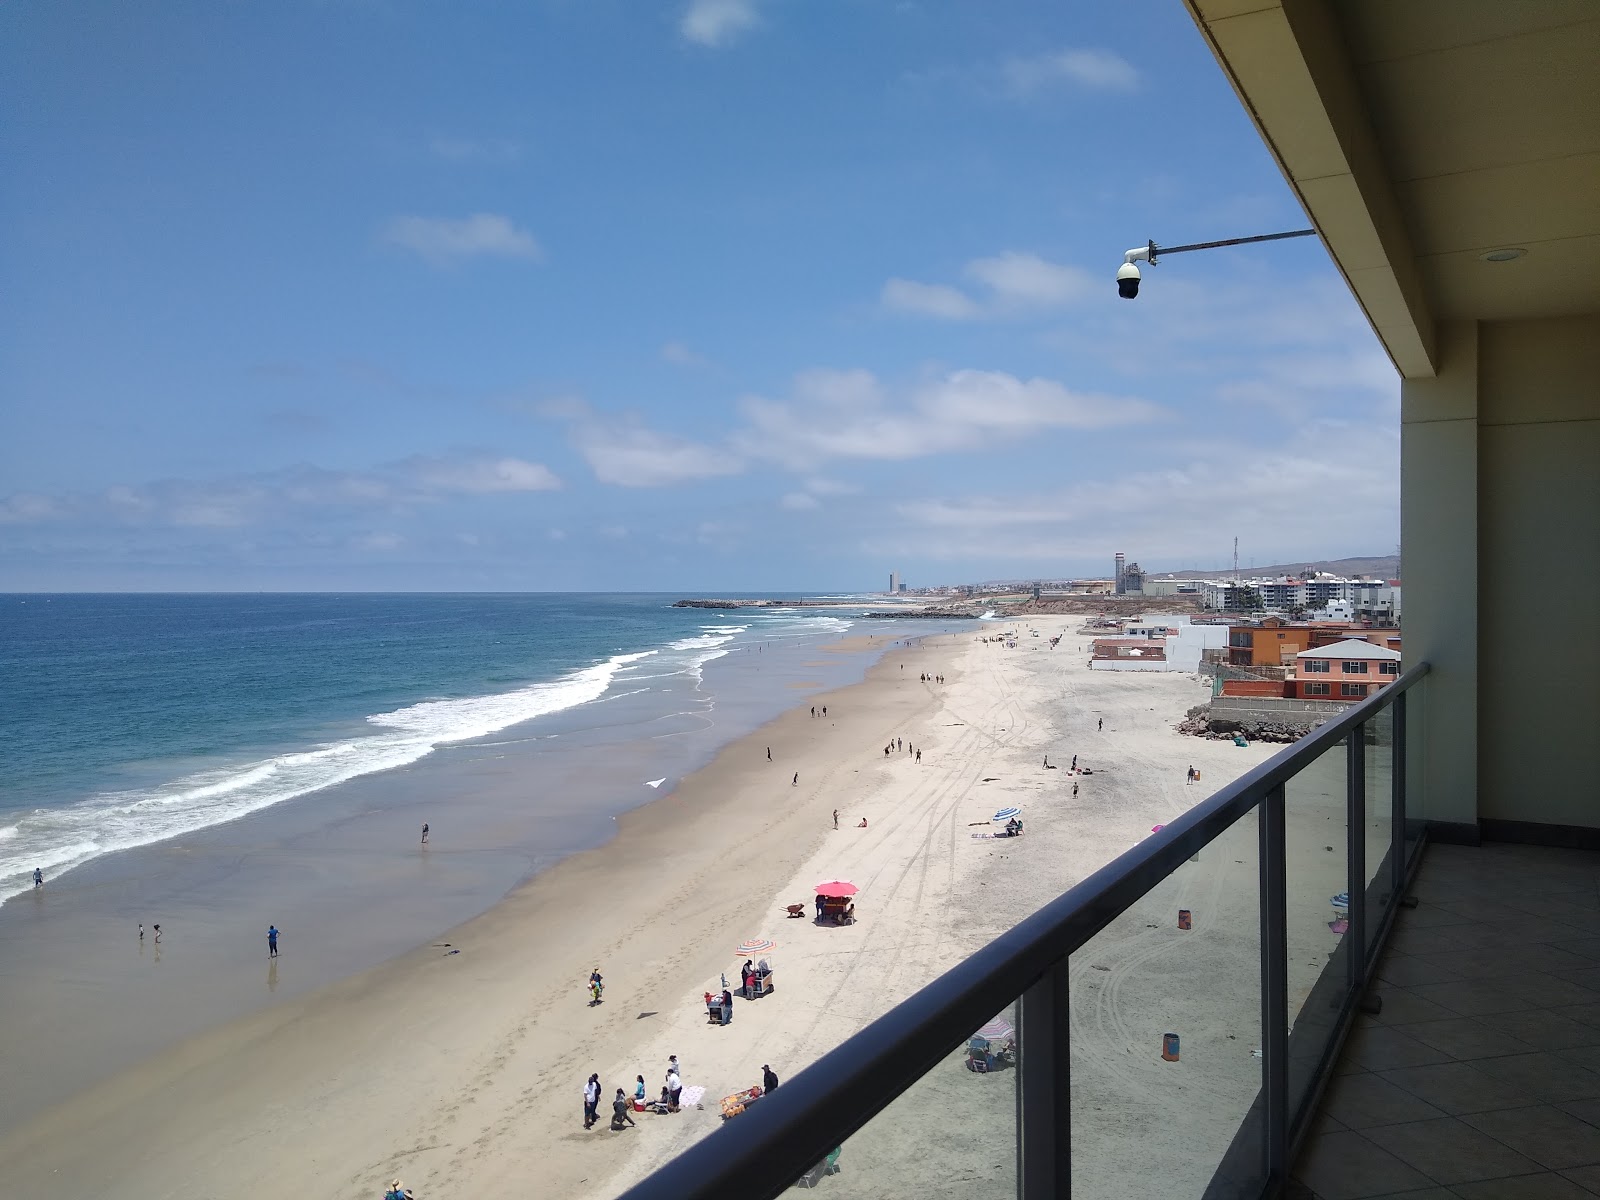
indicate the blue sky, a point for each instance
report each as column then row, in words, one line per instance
column 609, row 294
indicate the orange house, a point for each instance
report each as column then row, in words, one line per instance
column 1347, row 670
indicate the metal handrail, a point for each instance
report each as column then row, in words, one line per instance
column 762, row 1153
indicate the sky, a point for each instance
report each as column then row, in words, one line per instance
column 624, row 295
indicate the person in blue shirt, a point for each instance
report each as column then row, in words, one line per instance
column 272, row 941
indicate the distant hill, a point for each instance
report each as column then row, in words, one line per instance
column 1385, row 567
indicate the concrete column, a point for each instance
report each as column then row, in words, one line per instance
column 1539, row 572
column 1439, row 549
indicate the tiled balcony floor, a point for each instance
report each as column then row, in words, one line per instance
column 1481, row 1077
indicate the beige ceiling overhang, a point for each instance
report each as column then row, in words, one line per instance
column 1421, row 134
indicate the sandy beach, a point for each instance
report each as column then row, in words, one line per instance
column 459, row 1067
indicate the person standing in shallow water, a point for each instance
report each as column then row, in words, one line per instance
column 272, row 941
column 424, row 833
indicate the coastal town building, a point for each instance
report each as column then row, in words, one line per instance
column 1274, row 642
column 1347, row 670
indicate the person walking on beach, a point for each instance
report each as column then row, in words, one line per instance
column 836, row 818
column 141, row 933
column 1101, row 728
column 591, row 1101
column 769, row 1079
column 674, row 1089
column 795, row 782
column 824, row 710
column 1074, row 762
column 272, row 941
column 424, row 833
column 769, row 753
column 157, row 930
column 1190, row 778
column 38, row 878
column 1074, row 790
column 919, row 757
column 813, row 710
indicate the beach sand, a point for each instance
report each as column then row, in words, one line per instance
column 461, row 1073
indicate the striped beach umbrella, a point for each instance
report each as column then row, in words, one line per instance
column 753, row 946
column 1005, row 814
column 997, row 1030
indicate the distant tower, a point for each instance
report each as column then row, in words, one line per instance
column 1122, row 561
column 894, row 582
column 1236, row 560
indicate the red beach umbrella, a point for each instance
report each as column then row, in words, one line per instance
column 836, row 887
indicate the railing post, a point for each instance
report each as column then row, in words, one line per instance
column 1044, row 1088
column 1355, row 937
column 1397, row 780
column 1274, row 989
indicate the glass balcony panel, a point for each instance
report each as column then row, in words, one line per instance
column 1378, row 822
column 1166, row 1032
column 1316, row 889
column 951, row 1134
column 1416, row 759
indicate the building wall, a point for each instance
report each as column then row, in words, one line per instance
column 1439, row 536
column 1538, row 517
column 1127, row 664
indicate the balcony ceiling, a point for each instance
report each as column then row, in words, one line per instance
column 1421, row 134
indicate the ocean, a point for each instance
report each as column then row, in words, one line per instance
column 131, row 719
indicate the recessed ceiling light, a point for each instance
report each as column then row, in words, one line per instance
column 1507, row 254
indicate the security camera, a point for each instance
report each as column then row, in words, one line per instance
column 1128, row 273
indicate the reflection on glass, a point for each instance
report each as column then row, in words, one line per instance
column 952, row 1133
column 1166, row 1029
column 1317, row 889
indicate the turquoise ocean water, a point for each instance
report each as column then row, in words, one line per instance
column 131, row 719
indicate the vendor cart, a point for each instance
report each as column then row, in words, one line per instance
column 735, row 1104
column 759, row 981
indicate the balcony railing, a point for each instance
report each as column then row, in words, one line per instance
column 1182, row 1054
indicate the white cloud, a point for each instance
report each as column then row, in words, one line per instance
column 717, row 22
column 1097, row 70
column 849, row 414
column 378, row 541
column 1026, row 280
column 819, row 485
column 1015, row 283
column 1189, row 510
column 929, row 299
column 630, row 455
column 483, row 474
column 228, row 503
column 445, row 240
column 799, row 502
column 680, row 355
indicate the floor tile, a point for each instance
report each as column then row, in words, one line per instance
column 1471, row 999
column 1589, row 947
column 1584, row 1056
column 1588, row 1177
column 1467, row 1037
column 1404, row 971
column 1588, row 1011
column 1545, row 1076
column 1587, row 976
column 1543, row 991
column 1458, row 1087
column 1388, row 1046
column 1401, row 1006
column 1584, row 1110
column 1434, row 939
column 1552, row 1138
column 1543, row 1030
column 1363, row 1101
column 1546, row 1185
column 1345, row 1166
column 1449, row 1151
